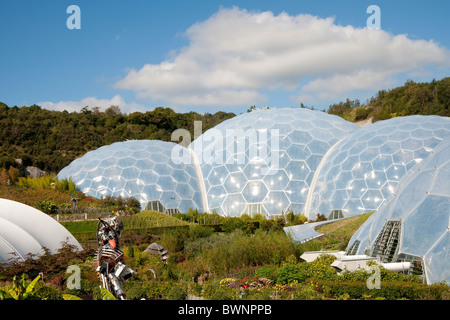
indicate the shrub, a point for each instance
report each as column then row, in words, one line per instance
column 269, row 272
column 319, row 268
column 292, row 272
column 48, row 207
column 173, row 240
column 362, row 113
column 137, row 290
column 237, row 249
column 390, row 290
column 232, row 223
column 294, row 219
column 197, row 232
column 47, row 182
column 177, row 292
column 213, row 291
column 274, row 225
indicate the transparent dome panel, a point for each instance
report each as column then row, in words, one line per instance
column 377, row 156
column 272, row 147
column 421, row 204
column 142, row 169
column 438, row 260
column 426, row 224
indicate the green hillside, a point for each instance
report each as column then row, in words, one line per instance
column 50, row 140
column 412, row 98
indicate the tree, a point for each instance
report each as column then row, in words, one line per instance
column 113, row 111
column 51, row 139
column 86, row 110
column 13, row 174
column 4, row 177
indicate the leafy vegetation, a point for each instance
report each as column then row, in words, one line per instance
column 214, row 263
column 211, row 256
column 54, row 196
column 20, row 289
column 50, row 140
column 412, row 98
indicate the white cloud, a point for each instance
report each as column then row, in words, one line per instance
column 76, row 106
column 236, row 57
column 335, row 87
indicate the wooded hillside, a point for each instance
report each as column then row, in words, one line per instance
column 410, row 99
column 50, row 140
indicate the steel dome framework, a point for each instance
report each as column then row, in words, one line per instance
column 414, row 223
column 267, row 162
column 275, row 160
column 364, row 169
column 141, row 169
column 264, row 161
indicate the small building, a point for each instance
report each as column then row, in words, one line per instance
column 353, row 263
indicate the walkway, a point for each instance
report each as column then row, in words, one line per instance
column 305, row 232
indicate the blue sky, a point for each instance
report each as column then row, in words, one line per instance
column 210, row 56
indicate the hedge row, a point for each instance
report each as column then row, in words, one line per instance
column 390, row 290
column 92, row 235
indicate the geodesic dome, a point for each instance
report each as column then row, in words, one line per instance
column 25, row 230
column 142, row 169
column 264, row 161
column 364, row 169
column 413, row 224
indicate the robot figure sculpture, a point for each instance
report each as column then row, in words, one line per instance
column 110, row 267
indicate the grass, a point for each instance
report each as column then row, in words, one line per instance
column 31, row 196
column 151, row 219
column 80, row 226
column 345, row 227
column 336, row 235
column 84, row 231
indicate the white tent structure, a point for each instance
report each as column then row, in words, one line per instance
column 25, row 230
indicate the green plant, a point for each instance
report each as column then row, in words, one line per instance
column 47, row 182
column 294, row 219
column 269, row 272
column 213, row 291
column 238, row 249
column 292, row 272
column 106, row 295
column 177, row 292
column 47, row 206
column 67, row 296
column 389, row 290
column 21, row 289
